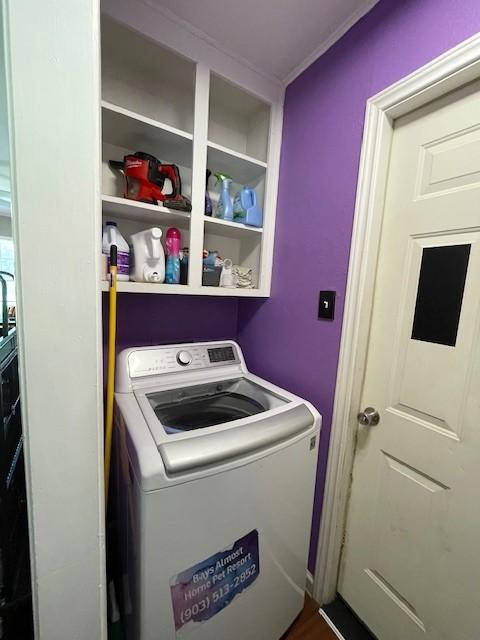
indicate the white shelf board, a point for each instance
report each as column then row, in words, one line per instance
column 143, row 212
column 125, row 128
column 147, row 287
column 227, row 229
column 237, row 293
column 243, row 169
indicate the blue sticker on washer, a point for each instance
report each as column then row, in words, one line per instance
column 200, row 592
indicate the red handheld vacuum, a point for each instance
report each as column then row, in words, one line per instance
column 145, row 178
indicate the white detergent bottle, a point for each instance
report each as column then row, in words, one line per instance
column 111, row 235
column 148, row 256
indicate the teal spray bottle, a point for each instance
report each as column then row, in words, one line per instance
column 224, row 208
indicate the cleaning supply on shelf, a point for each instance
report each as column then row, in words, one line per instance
column 245, row 208
column 243, row 277
column 111, row 235
column 184, row 265
column 148, row 256
column 226, row 277
column 208, row 200
column 224, row 208
column 210, row 259
column 212, row 268
column 173, row 242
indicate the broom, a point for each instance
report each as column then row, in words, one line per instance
column 112, row 331
column 115, row 631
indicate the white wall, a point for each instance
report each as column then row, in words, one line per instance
column 53, row 91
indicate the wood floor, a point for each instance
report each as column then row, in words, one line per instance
column 310, row 625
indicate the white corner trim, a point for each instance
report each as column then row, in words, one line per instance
column 329, row 41
column 309, row 584
column 450, row 71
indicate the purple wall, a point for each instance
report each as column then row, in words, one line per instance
column 143, row 319
column 324, row 110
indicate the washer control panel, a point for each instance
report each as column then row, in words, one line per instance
column 221, row 354
column 154, row 362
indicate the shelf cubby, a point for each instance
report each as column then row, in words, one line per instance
column 242, row 168
column 125, row 132
column 238, row 120
column 124, row 128
column 241, row 246
column 146, row 78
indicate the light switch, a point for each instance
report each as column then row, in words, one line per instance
column 326, row 305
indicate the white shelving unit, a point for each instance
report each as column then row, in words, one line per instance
column 181, row 110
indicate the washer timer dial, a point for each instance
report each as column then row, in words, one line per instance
column 184, row 358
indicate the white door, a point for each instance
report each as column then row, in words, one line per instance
column 411, row 561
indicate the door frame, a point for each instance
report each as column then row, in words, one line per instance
column 448, row 72
column 53, row 99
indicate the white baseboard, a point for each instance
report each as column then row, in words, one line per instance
column 330, row 624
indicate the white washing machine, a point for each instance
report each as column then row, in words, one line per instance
column 215, row 478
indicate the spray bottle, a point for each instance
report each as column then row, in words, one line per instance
column 173, row 242
column 224, row 207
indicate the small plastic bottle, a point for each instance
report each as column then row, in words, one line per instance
column 173, row 243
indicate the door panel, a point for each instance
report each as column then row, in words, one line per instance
column 450, row 162
column 410, row 565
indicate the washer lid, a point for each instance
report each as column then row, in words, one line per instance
column 209, row 449
column 212, row 423
column 207, row 405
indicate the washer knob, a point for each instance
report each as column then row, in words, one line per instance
column 184, row 358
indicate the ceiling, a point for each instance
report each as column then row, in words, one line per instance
column 279, row 38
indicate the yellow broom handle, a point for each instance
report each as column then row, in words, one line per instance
column 112, row 330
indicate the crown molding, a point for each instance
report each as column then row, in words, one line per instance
column 330, row 41
column 282, row 82
column 213, row 42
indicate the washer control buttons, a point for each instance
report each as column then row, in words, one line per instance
column 184, row 358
